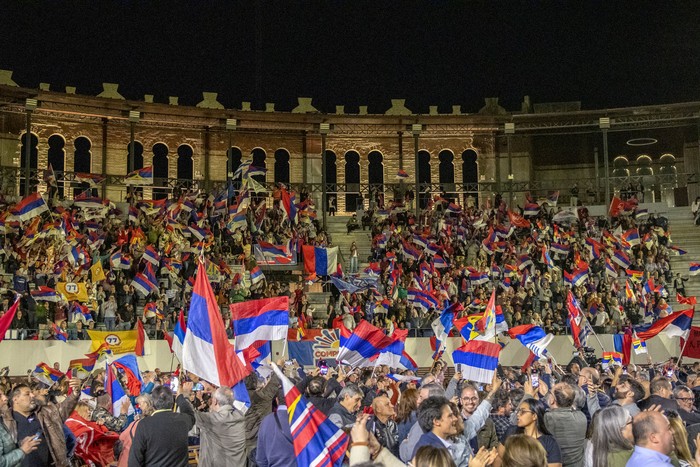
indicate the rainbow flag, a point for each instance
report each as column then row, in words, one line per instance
column 140, row 177
column 46, row 374
column 639, row 346
column 611, row 358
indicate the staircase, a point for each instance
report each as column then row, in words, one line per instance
column 337, row 228
column 686, row 236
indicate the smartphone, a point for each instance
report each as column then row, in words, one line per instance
column 535, row 380
column 459, row 368
column 669, row 373
column 288, row 363
column 37, row 436
column 324, row 370
column 198, row 387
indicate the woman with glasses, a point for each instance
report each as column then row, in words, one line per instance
column 530, row 416
column 612, row 440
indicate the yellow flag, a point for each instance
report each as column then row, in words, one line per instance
column 97, row 273
column 73, row 291
column 119, row 341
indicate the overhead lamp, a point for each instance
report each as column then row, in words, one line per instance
column 31, row 104
column 134, row 116
column 604, row 123
column 231, row 123
column 510, row 128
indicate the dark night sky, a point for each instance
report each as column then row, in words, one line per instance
column 603, row 53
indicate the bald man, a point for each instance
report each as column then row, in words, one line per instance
column 653, row 440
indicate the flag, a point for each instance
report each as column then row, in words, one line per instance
column 45, row 294
column 141, row 339
column 207, row 352
column 179, row 335
column 121, row 341
column 274, row 253
column 675, row 324
column 487, row 324
column 531, row 209
column 151, row 255
column 322, row 261
column 85, row 365
column 577, row 277
column 517, row 220
column 694, row 269
column 365, row 342
column 102, row 349
column 621, row 258
column 289, row 207
column 46, row 374
column 402, row 175
column 73, row 291
column 94, row 443
column 260, row 320
column 631, row 237
column 97, row 273
column 629, row 293
column 31, row 206
column 116, row 392
column 256, row 275
column 59, row 333
column 616, row 206
column 611, row 358
column 639, row 346
column 140, row 177
column 685, row 300
column 129, row 367
column 479, row 360
column 678, row 251
column 533, row 337
column 395, row 356
column 317, row 441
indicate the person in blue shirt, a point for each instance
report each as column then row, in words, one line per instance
column 653, row 440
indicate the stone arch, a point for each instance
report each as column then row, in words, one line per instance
column 56, row 158
column 259, row 160
column 185, row 162
column 375, row 176
column 644, row 165
column 33, row 142
column 161, row 171
column 470, row 176
column 82, row 160
column 424, row 177
column 352, row 180
column 136, row 162
column 447, row 170
column 282, row 166
column 621, row 167
column 234, row 157
column 332, row 177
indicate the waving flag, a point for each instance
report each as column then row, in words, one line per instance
column 145, row 282
column 635, row 276
column 365, row 342
column 402, row 175
column 694, row 269
column 256, row 275
column 317, row 441
column 685, row 300
column 487, row 324
column 151, row 255
column 559, row 249
column 179, row 331
column 46, row 374
column 629, row 293
column 533, row 337
column 59, row 333
column 576, row 278
column 517, row 220
column 611, row 358
column 531, row 209
column 116, row 391
column 678, row 251
column 478, row 360
column 31, row 206
column 478, row 278
column 631, row 237
column 610, row 268
column 45, row 294
column 621, row 258
column 260, row 320
column 322, row 261
column 129, row 368
column 85, row 365
column 675, row 324
column 395, row 356
column 639, row 346
column 140, row 177
column 207, row 352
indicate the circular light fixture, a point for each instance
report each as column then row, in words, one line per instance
column 642, row 141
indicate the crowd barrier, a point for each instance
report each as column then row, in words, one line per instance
column 21, row 356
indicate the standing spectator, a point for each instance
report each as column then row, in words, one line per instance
column 10, row 454
column 627, row 393
column 382, row 425
column 275, row 446
column 653, row 440
column 344, row 411
column 353, row 258
column 567, row 424
column 109, row 312
column 126, row 437
column 486, row 436
column 611, row 437
column 222, row 432
column 161, row 439
column 437, row 421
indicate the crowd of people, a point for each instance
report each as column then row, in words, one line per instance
column 584, row 415
column 546, row 416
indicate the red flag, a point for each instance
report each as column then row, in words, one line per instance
column 692, row 350
column 528, row 363
column 94, row 443
column 616, row 206
column 685, row 300
column 518, row 221
column 140, row 339
column 400, row 334
column 7, row 318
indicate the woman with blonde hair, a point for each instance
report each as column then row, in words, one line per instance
column 524, row 451
column 680, row 441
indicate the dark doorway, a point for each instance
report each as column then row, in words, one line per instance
column 160, row 171
column 33, row 162
column 352, row 181
column 282, row 166
column 57, row 159
column 185, row 164
column 424, row 178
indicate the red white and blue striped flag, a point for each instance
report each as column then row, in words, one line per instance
column 317, row 441
column 479, row 360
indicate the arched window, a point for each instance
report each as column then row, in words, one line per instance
column 282, row 166
column 160, row 171
column 136, row 162
column 331, row 178
column 470, row 175
column 57, row 159
column 259, row 157
column 375, row 174
column 233, row 161
column 33, row 161
column 352, row 180
column 447, row 171
column 424, row 177
column 82, row 162
column 185, row 164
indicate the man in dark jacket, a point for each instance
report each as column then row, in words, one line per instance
column 685, row 399
column 28, row 418
column 275, row 445
column 161, row 439
column 260, row 406
column 437, row 422
column 661, row 392
column 344, row 412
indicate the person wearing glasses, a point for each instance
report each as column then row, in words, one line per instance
column 486, row 436
column 612, row 441
column 530, row 416
column 685, row 398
